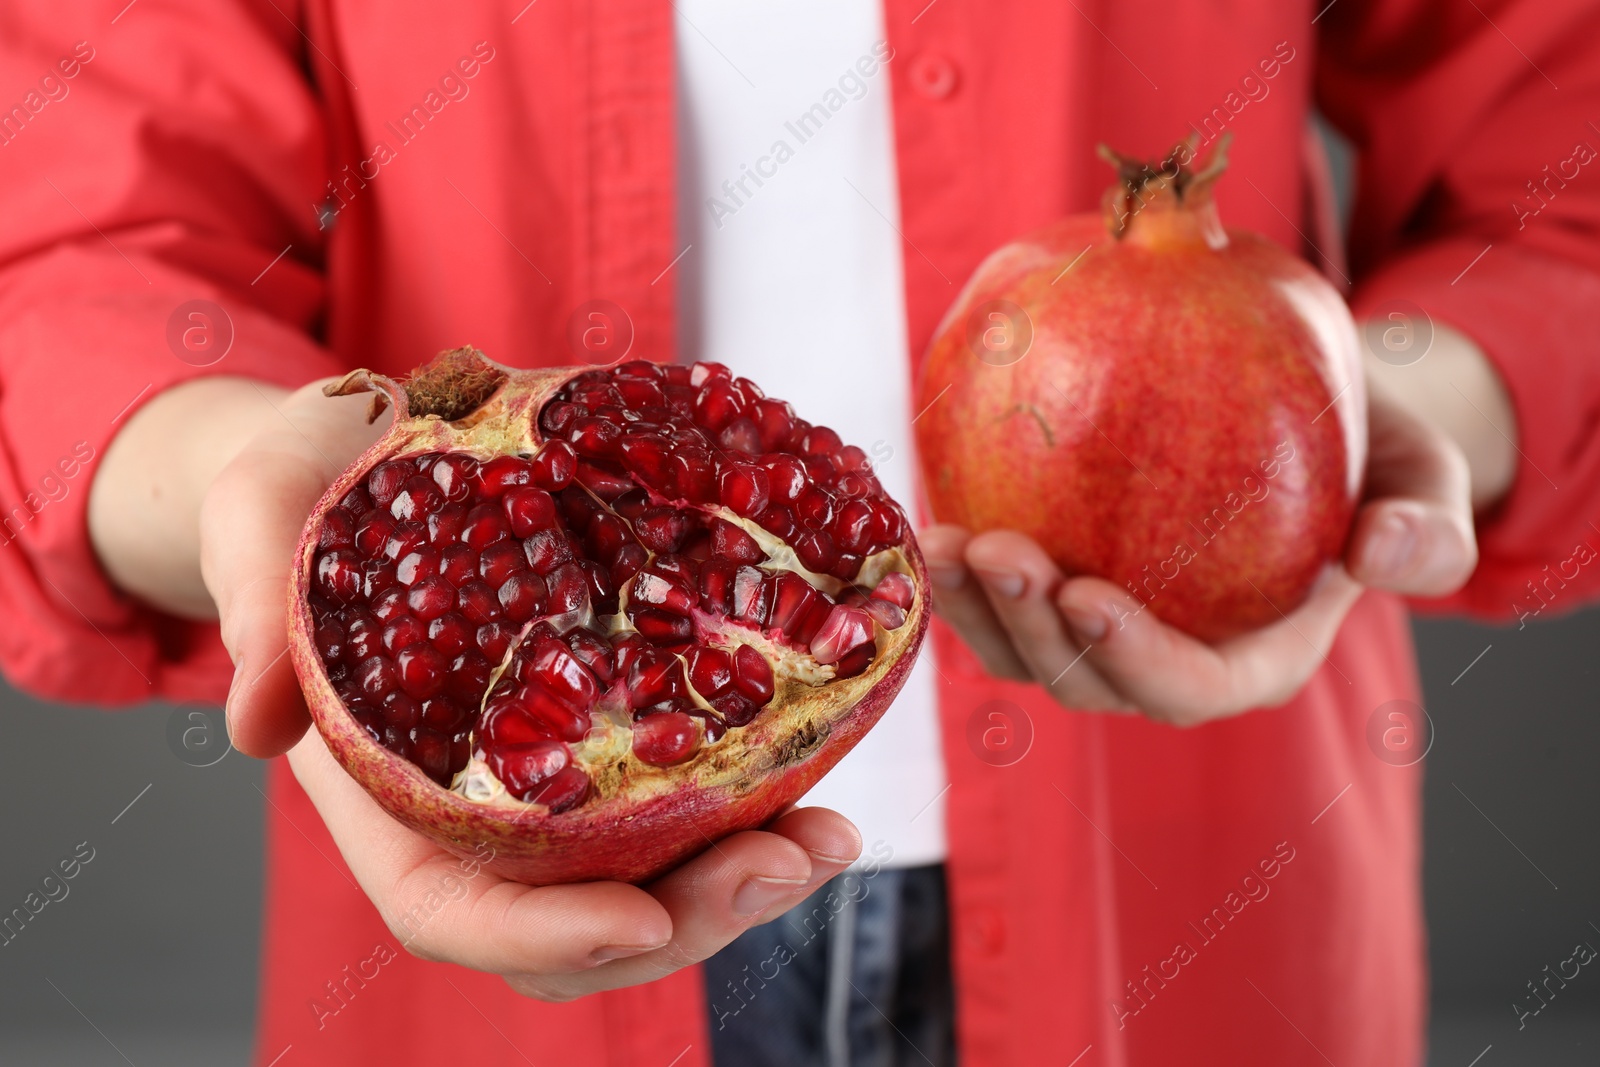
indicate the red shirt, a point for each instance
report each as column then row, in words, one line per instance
column 494, row 166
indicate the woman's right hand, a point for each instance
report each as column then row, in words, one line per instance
column 553, row 942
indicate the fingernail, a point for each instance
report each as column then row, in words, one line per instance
column 759, row 894
column 1088, row 625
column 227, row 705
column 947, row 575
column 1006, row 583
column 1392, row 545
column 621, row 952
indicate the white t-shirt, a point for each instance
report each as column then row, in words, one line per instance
column 787, row 199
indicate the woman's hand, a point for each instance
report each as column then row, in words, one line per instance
column 1091, row 644
column 200, row 505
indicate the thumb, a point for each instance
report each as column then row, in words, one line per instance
column 250, row 524
column 1414, row 532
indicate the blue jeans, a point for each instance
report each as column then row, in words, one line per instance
column 857, row 976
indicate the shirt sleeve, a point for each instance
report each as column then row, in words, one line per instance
column 1479, row 204
column 159, row 172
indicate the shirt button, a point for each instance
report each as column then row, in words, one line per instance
column 933, row 76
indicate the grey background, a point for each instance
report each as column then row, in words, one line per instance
column 156, row 943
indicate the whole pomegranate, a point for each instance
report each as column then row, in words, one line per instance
column 1155, row 399
column 595, row 619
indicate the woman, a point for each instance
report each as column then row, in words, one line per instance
column 343, row 188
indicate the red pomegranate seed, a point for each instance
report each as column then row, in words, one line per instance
column 500, row 561
column 897, row 589
column 523, row 767
column 744, row 489
column 468, row 678
column 494, row 640
column 736, row 709
column 422, row 671
column 375, row 676
column 338, row 574
column 431, row 752
column 775, row 419
column 502, row 473
column 567, row 589
column 889, row 615
column 603, row 480
column 593, row 653
column 564, row 676
column 718, row 404
column 820, row 441
column 693, row 476
column 400, row 711
column 630, row 560
column 639, row 393
column 450, row 634
column 479, row 602
column 815, row 508
column 563, row 791
column 356, row 501
column 741, row 435
column 528, row 509
column 710, row 671
column 372, row 532
column 778, row 521
column 554, row 466
column 655, row 590
column 730, row 542
column 815, row 550
column 752, row 597
column 594, row 437
column 389, row 603
column 459, row 564
column 798, row 608
column 852, row 526
column 678, row 566
column 431, row 598
column 653, row 677
column 417, row 499
column 752, row 674
column 663, row 529
column 455, row 476
column 716, row 586
column 705, row 370
column 338, row 530
column 485, row 525
column 403, row 631
column 888, row 524
column 607, row 536
column 844, row 629
column 855, row 661
column 660, row 628
column 385, row 480
column 647, row 457
column 565, row 722
column 557, row 417
column 446, row 524
column 416, row 565
column 663, row 740
column 330, row 638
column 546, row 550
column 522, row 596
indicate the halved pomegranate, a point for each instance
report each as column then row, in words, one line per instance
column 598, row 619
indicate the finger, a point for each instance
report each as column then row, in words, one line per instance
column 250, row 524
column 1019, row 581
column 1414, row 534
column 961, row 602
column 1178, row 679
column 743, row 880
column 444, row 908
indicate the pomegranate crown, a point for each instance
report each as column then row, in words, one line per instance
column 1181, row 181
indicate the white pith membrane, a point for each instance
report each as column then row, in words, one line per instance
column 807, row 694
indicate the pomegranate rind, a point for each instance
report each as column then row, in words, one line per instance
column 644, row 820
